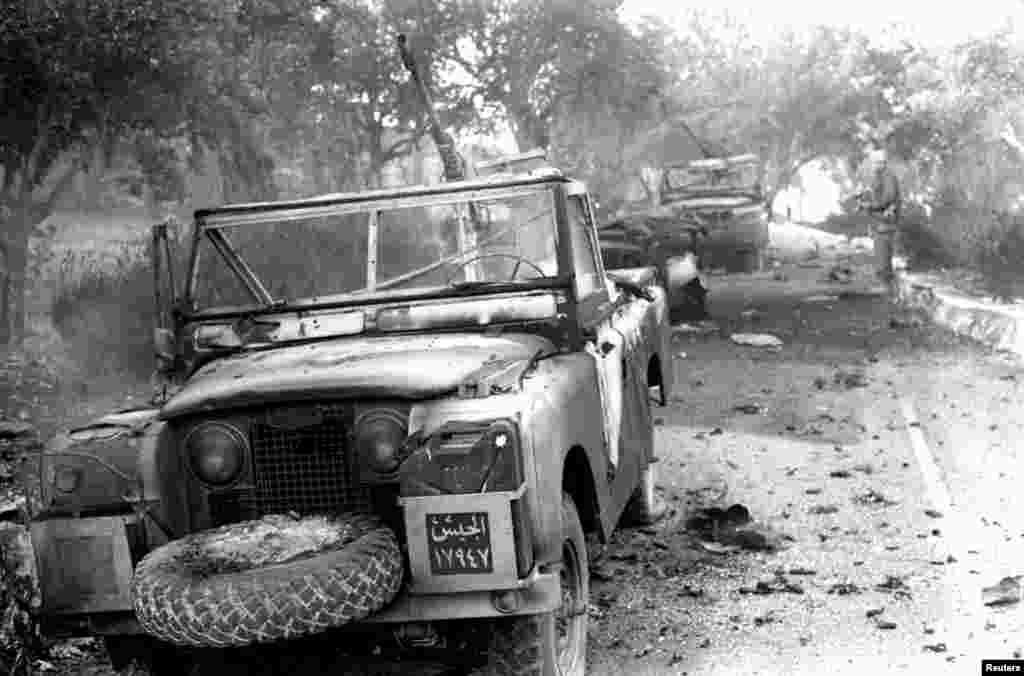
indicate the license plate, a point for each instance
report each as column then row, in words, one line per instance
column 459, row 543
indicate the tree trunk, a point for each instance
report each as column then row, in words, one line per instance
column 17, row 226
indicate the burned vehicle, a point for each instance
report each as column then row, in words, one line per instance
column 671, row 245
column 401, row 415
column 723, row 196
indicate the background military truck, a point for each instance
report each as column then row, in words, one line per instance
column 724, row 198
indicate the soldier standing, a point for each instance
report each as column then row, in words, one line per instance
column 885, row 205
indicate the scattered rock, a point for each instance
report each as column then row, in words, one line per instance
column 936, row 648
column 874, row 612
column 767, row 618
column 802, row 571
column 840, row 474
column 706, row 327
column 885, row 624
column 894, row 584
column 711, row 520
column 813, row 491
column 823, row 509
column 718, row 548
column 10, row 429
column 844, row 589
column 749, row 409
column 841, row 274
column 850, row 379
column 756, row 340
column 779, row 584
column 933, row 513
column 1005, row 592
column 873, row 497
column 864, row 469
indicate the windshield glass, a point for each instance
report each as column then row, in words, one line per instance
column 741, row 177
column 409, row 243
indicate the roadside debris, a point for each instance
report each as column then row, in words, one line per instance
column 894, row 584
column 777, row 585
column 844, row 589
column 756, row 340
column 703, row 327
column 1004, row 593
column 850, row 379
column 802, row 571
column 730, row 530
column 874, row 498
column 841, row 274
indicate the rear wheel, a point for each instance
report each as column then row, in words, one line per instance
column 554, row 642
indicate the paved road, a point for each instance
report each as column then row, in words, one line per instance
column 912, row 420
column 915, row 421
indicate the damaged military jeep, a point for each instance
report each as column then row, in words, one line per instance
column 401, row 414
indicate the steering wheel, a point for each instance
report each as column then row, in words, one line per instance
column 518, row 259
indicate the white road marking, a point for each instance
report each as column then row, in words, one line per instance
column 967, row 621
column 937, row 492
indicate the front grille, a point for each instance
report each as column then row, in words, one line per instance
column 305, row 469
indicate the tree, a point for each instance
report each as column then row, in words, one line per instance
column 530, row 59
column 77, row 75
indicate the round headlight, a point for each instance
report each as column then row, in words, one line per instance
column 215, row 453
column 379, row 436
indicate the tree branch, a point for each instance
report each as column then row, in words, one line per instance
column 35, row 154
column 63, row 182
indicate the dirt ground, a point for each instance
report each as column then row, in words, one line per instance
column 876, row 453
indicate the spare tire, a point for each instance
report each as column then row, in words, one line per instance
column 265, row 580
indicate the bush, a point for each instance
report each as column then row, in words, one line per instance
column 997, row 254
column 104, row 307
column 105, row 311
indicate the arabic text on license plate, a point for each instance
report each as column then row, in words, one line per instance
column 459, row 543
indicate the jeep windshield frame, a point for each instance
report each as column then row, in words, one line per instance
column 211, row 226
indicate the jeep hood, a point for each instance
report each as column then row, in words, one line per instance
column 406, row 367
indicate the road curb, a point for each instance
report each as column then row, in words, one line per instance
column 999, row 326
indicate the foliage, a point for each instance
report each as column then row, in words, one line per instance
column 530, row 61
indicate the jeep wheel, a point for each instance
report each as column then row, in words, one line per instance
column 555, row 642
column 261, row 581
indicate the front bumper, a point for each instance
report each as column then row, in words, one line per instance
column 85, row 568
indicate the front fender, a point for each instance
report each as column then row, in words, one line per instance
column 119, row 459
column 564, row 413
